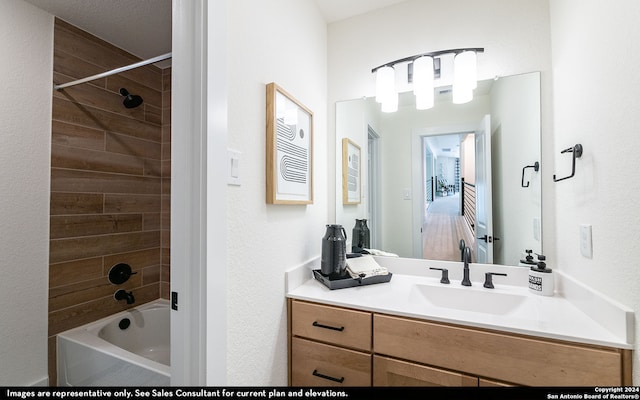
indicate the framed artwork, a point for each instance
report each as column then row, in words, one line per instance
column 289, row 149
column 351, row 166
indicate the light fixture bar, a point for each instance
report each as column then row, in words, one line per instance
column 432, row 54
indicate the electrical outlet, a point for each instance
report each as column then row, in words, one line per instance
column 586, row 243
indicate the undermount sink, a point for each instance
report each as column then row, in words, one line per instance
column 467, row 299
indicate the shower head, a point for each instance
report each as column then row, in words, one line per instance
column 130, row 100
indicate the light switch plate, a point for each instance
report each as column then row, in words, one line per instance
column 233, row 165
column 406, row 194
column 586, row 242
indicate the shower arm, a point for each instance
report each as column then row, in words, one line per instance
column 113, row 71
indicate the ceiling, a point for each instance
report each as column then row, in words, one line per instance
column 336, row 10
column 143, row 27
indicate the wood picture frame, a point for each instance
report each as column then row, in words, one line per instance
column 289, row 162
column 351, row 172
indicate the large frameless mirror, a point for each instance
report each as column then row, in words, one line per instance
column 430, row 178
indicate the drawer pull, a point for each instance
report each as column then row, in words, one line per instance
column 333, row 328
column 330, row 378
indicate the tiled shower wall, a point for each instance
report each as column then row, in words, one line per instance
column 110, row 183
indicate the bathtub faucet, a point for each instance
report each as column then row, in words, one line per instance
column 123, row 295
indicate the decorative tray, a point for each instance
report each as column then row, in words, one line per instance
column 342, row 282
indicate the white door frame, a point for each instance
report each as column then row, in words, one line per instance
column 417, row 176
column 198, row 199
column 484, row 202
column 374, row 192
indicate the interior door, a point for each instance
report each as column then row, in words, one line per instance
column 484, row 215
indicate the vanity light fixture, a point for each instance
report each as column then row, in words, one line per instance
column 423, row 85
column 422, row 71
column 386, row 93
column 464, row 76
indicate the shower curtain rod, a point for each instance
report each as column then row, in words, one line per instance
column 113, row 71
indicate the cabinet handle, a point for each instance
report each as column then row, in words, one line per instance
column 330, row 378
column 333, row 328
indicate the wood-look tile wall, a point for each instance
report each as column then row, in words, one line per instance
column 165, row 217
column 110, row 183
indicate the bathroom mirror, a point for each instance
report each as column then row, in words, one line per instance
column 413, row 162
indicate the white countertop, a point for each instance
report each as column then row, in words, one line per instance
column 555, row 317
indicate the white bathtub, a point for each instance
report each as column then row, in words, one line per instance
column 102, row 353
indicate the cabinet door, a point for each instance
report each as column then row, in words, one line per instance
column 390, row 372
column 511, row 358
column 318, row 364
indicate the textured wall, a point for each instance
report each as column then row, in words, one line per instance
column 109, row 168
column 26, row 34
column 596, row 104
column 283, row 42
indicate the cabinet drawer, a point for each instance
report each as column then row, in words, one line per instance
column 390, row 372
column 510, row 358
column 333, row 325
column 318, row 364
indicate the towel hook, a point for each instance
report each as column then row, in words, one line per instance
column 536, row 167
column 577, row 153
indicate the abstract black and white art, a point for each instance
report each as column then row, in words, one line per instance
column 351, row 165
column 289, row 149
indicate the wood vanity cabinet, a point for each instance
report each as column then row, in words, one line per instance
column 357, row 348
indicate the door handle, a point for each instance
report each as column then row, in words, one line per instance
column 488, row 239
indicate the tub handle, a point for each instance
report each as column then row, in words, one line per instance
column 120, row 273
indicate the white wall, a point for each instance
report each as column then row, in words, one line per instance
column 26, row 43
column 515, row 143
column 514, row 34
column 282, row 41
column 596, row 103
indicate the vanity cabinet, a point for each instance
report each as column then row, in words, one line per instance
column 333, row 345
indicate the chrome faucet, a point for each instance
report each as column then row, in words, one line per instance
column 466, row 259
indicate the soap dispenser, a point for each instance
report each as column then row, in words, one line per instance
column 541, row 279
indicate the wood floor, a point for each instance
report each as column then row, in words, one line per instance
column 443, row 228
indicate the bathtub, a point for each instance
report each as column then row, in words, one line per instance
column 130, row 348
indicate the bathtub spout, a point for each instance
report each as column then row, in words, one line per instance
column 123, row 295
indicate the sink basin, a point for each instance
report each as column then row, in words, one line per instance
column 468, row 299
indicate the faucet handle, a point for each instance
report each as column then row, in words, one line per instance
column 488, row 281
column 445, row 275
